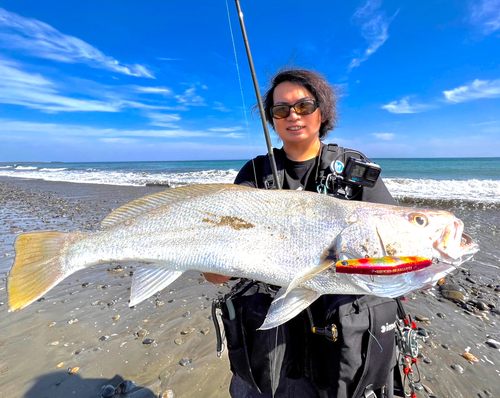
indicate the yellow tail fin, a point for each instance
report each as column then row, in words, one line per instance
column 38, row 266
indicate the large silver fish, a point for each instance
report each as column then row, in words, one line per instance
column 286, row 238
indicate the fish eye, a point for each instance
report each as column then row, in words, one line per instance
column 419, row 220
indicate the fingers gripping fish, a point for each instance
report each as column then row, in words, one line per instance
column 308, row 244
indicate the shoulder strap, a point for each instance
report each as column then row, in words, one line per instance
column 267, row 178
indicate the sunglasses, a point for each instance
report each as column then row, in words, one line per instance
column 303, row 107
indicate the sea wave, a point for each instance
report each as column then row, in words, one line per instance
column 114, row 177
column 426, row 192
column 484, row 191
column 6, row 167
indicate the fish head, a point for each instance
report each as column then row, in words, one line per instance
column 382, row 231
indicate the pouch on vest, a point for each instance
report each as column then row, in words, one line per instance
column 362, row 358
column 257, row 356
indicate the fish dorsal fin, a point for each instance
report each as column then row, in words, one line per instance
column 148, row 280
column 157, row 200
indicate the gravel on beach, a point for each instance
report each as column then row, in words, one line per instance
column 82, row 339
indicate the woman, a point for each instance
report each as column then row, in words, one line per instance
column 300, row 105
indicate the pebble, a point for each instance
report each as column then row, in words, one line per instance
column 73, row 370
column 1, row 303
column 141, row 333
column 60, row 365
column 185, row 361
column 458, row 368
column 205, row 331
column 85, row 284
column 441, row 315
column 108, row 391
column 187, row 314
column 54, row 343
column 51, row 324
column 188, row 331
column 179, row 341
column 79, row 352
column 453, row 294
column 488, row 394
column 421, row 318
column 103, row 338
column 164, row 375
column 427, row 389
column 493, row 343
column 160, row 303
column 445, row 346
column 482, row 306
column 148, row 341
column 115, row 318
column 427, row 360
column 470, row 357
column 167, row 394
column 72, row 321
column 422, row 332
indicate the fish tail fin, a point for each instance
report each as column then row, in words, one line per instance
column 38, row 265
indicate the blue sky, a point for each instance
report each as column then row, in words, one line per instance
column 157, row 80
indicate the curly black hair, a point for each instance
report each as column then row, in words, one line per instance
column 326, row 95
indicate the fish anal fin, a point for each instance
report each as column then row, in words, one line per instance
column 148, row 280
column 38, row 266
column 283, row 308
column 126, row 213
column 382, row 265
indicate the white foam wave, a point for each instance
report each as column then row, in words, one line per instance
column 472, row 190
column 95, row 176
column 6, row 167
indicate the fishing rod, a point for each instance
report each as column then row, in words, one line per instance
column 270, row 152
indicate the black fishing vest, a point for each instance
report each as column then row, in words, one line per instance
column 328, row 154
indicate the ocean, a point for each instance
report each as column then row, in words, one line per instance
column 465, row 181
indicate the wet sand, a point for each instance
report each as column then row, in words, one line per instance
column 73, row 325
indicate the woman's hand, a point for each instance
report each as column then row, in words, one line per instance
column 216, row 278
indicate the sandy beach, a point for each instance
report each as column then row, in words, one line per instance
column 86, row 322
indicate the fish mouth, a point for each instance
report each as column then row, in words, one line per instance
column 454, row 246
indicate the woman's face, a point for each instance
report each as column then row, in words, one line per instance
column 296, row 129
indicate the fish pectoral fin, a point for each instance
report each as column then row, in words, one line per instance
column 382, row 265
column 301, row 278
column 283, row 308
column 327, row 259
column 148, row 280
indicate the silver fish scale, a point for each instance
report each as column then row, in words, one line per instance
column 260, row 234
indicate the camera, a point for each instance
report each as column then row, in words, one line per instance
column 360, row 172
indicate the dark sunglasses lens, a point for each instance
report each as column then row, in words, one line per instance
column 305, row 107
column 280, row 111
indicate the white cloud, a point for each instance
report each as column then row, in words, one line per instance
column 234, row 135
column 42, row 130
column 475, row 90
column 220, row 107
column 225, row 129
column 35, row 91
column 36, row 38
column 163, row 119
column 384, row 136
column 486, row 14
column 374, row 27
column 165, row 91
column 189, row 97
column 404, row 106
